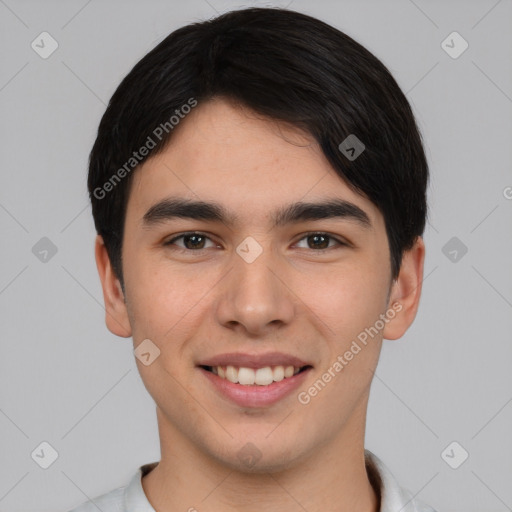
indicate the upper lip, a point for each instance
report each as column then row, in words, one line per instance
column 254, row 360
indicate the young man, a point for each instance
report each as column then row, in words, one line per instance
column 258, row 186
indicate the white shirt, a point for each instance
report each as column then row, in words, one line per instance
column 131, row 497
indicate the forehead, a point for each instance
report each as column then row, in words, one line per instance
column 231, row 155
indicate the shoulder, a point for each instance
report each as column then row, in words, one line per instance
column 393, row 497
column 127, row 498
column 109, row 502
column 412, row 504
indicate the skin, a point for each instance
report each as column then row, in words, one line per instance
column 292, row 299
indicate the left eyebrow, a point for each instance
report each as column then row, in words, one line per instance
column 330, row 209
column 173, row 207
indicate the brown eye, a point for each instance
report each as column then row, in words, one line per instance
column 194, row 241
column 318, row 241
column 191, row 241
column 321, row 241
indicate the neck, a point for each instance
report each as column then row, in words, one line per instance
column 334, row 478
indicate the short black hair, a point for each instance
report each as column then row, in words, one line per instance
column 283, row 65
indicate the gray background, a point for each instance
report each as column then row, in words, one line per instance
column 67, row 381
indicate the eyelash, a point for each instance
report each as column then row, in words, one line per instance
column 321, row 233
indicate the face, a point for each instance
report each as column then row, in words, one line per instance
column 252, row 282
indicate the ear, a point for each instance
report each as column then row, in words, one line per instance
column 116, row 314
column 405, row 292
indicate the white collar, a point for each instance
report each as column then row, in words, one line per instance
column 393, row 498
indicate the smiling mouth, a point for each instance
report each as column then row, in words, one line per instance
column 255, row 376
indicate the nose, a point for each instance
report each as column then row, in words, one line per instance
column 256, row 297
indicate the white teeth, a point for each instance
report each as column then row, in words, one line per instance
column 249, row 376
column 246, row 376
column 232, row 374
column 264, row 376
column 278, row 373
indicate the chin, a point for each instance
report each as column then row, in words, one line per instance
column 257, row 454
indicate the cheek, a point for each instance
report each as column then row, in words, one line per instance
column 163, row 299
column 348, row 298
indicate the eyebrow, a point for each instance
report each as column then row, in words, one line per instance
column 171, row 208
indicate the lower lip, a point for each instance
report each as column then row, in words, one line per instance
column 256, row 396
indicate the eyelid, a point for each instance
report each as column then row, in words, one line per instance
column 339, row 241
